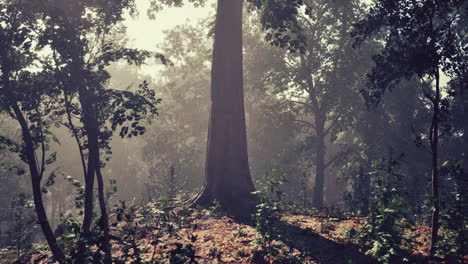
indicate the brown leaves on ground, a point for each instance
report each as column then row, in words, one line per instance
column 219, row 239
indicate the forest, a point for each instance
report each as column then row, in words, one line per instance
column 232, row 131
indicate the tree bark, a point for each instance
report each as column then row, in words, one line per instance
column 227, row 174
column 36, row 187
column 464, row 95
column 93, row 151
column 434, row 140
column 104, row 221
column 319, row 163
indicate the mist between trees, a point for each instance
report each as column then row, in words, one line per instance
column 363, row 107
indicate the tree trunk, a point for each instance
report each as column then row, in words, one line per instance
column 36, row 187
column 33, row 167
column 91, row 126
column 363, row 190
column 464, row 95
column 319, row 163
column 104, row 221
column 227, row 174
column 53, row 216
column 366, row 163
column 434, row 140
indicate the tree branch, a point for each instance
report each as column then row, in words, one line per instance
column 337, row 156
column 305, row 123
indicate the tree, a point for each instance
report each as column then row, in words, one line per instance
column 319, row 83
column 227, row 169
column 71, row 81
column 28, row 98
column 394, row 126
column 421, row 41
column 83, row 47
column 179, row 137
column 23, row 224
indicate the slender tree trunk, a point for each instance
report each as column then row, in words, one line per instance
column 227, row 168
column 33, row 167
column 369, row 140
column 91, row 126
column 104, row 221
column 319, row 163
column 36, row 187
column 464, row 95
column 74, row 131
column 434, row 140
column 304, row 189
column 19, row 232
column 53, row 216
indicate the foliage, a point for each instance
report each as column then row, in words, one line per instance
column 419, row 38
column 23, row 224
column 454, row 241
column 151, row 221
column 129, row 233
column 349, row 234
column 422, row 40
column 79, row 191
column 166, row 185
column 268, row 225
column 386, row 224
column 280, row 21
column 158, row 5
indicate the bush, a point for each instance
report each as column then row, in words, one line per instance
column 384, row 229
column 267, row 223
column 453, row 243
column 23, row 220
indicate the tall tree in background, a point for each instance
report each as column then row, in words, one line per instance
column 227, row 167
column 421, row 41
column 319, row 84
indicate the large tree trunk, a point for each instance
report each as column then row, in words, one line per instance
column 434, row 140
column 319, row 163
column 227, row 168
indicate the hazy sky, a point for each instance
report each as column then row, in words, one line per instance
column 146, row 34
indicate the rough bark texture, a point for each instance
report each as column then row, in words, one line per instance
column 227, row 169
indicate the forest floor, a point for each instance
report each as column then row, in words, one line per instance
column 181, row 235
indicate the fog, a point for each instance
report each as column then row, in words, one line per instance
column 119, row 108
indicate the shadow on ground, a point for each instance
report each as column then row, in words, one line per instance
column 321, row 249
